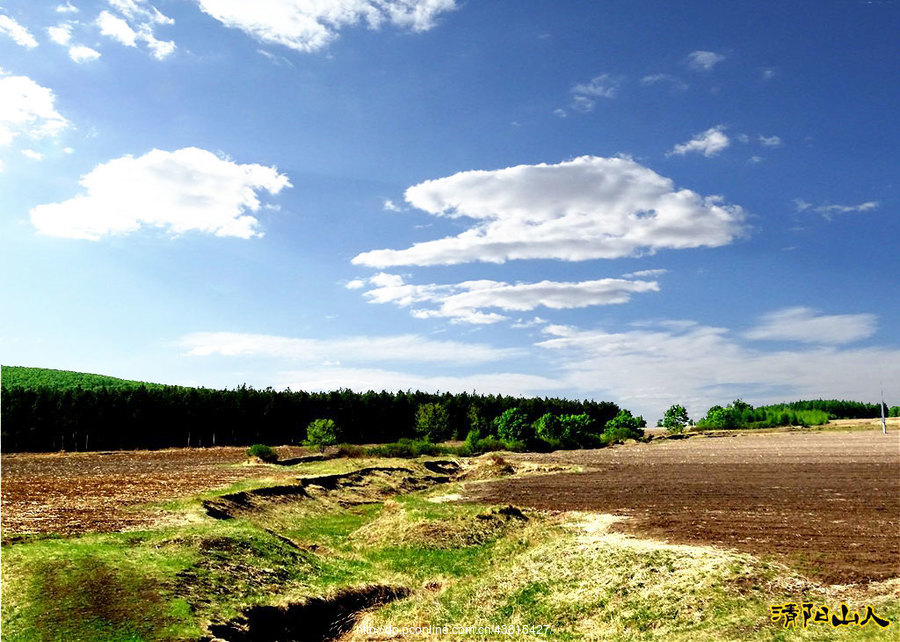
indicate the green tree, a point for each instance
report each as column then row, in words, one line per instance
column 576, row 427
column 513, row 424
column 321, row 433
column 625, row 426
column 433, row 421
column 548, row 427
column 675, row 419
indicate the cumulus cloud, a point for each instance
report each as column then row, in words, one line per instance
column 586, row 208
column 133, row 21
column 311, row 26
column 80, row 53
column 27, row 108
column 406, row 348
column 472, row 301
column 17, row 32
column 186, row 190
column 808, row 326
column 61, row 34
column 703, row 60
column 708, row 143
column 828, row 210
column 650, row 368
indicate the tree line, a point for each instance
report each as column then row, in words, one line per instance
column 39, row 418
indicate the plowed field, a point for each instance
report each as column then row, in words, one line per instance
column 825, row 502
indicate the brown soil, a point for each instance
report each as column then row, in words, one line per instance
column 828, row 503
column 71, row 493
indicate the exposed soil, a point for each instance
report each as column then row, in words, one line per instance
column 71, row 493
column 828, row 503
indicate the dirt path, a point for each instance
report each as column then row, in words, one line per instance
column 827, row 502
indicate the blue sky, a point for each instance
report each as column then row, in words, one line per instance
column 642, row 202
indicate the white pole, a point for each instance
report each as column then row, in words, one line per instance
column 883, row 422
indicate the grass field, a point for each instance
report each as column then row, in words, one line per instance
column 350, row 548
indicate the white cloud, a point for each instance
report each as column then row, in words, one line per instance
column 828, row 210
column 808, row 326
column 17, row 32
column 311, row 26
column 586, row 208
column 80, row 53
column 561, row 113
column 667, row 79
column 471, row 301
column 649, row 369
column 364, row 379
column 27, row 108
column 602, row 86
column 645, row 274
column 117, row 29
column 136, row 21
column 390, row 206
column 584, row 94
column 407, row 348
column 61, row 34
column 708, row 143
column 770, row 141
column 703, row 60
column 32, row 154
column 186, row 190
column 66, row 8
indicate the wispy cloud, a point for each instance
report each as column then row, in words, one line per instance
column 704, row 60
column 709, row 143
column 584, row 95
column 770, row 141
column 312, row 26
column 650, row 368
column 586, row 208
column 188, row 190
column 808, row 326
column 406, row 348
column 476, row 302
column 673, row 82
column 828, row 210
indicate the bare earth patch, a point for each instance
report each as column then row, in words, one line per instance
column 71, row 493
column 828, row 503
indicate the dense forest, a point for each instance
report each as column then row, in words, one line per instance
column 58, row 410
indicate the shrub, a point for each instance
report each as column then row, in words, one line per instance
column 513, row 424
column 894, row 411
column 262, row 452
column 321, row 433
column 433, row 421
